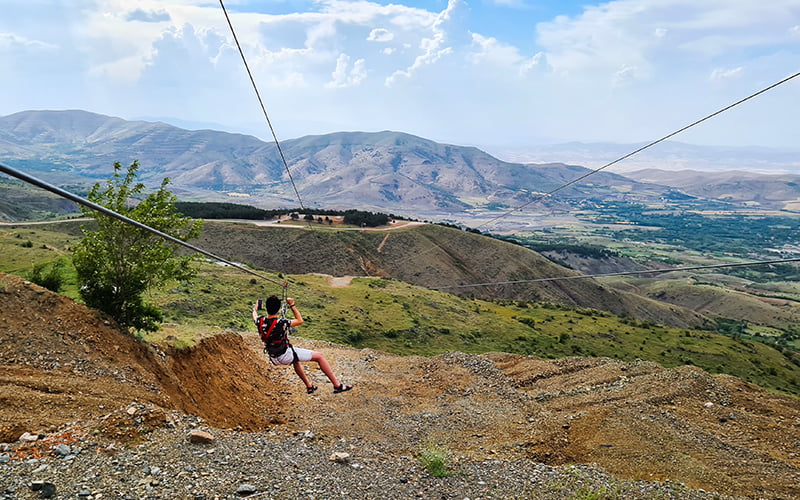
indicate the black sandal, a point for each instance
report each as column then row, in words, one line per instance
column 342, row 388
column 310, row 390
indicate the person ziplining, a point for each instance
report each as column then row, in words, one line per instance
column 274, row 332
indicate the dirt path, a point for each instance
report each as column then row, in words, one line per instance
column 336, row 281
column 383, row 242
column 339, row 282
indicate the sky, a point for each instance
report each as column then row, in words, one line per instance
column 488, row 73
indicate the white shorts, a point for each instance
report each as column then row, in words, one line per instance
column 287, row 358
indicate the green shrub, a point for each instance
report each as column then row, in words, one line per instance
column 355, row 337
column 435, row 459
column 50, row 276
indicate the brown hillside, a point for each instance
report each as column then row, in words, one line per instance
column 62, row 363
column 730, row 301
column 430, row 256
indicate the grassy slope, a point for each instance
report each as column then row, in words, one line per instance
column 717, row 301
column 394, row 316
column 23, row 247
column 429, row 256
column 757, row 300
column 19, row 202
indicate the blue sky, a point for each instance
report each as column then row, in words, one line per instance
column 491, row 73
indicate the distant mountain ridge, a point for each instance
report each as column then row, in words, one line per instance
column 779, row 191
column 385, row 171
column 382, row 170
column 667, row 155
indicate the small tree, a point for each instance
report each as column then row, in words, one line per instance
column 119, row 262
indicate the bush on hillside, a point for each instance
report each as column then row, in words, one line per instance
column 50, row 276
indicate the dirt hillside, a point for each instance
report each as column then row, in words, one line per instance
column 61, row 363
column 430, row 256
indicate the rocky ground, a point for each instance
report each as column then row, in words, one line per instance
column 165, row 463
column 86, row 412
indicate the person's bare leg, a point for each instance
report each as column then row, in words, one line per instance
column 298, row 369
column 325, row 367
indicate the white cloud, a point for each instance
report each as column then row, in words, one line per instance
column 343, row 76
column 490, row 51
column 148, row 16
column 341, row 64
column 633, row 33
column 380, row 35
column 125, row 70
column 11, row 42
column 720, row 74
column 322, row 33
column 537, row 63
column 292, row 80
column 627, row 75
column 434, row 47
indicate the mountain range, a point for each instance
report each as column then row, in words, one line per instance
column 670, row 155
column 384, row 171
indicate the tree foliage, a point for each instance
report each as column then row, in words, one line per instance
column 216, row 210
column 119, row 262
column 361, row 218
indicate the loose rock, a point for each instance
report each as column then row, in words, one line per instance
column 246, row 489
column 201, row 437
column 45, row 489
column 27, row 437
column 340, row 457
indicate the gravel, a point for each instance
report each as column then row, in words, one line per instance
column 165, row 463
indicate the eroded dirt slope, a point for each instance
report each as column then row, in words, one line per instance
column 60, row 363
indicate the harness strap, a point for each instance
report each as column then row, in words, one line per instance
column 269, row 330
column 261, row 326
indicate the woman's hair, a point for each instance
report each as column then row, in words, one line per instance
column 272, row 305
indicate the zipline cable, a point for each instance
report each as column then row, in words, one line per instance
column 653, row 143
column 94, row 206
column 646, row 146
column 77, row 199
column 622, row 158
column 625, row 273
column 261, row 102
column 538, row 198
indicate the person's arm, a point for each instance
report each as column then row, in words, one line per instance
column 298, row 320
column 255, row 312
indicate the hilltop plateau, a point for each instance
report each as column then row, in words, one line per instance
column 71, row 376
